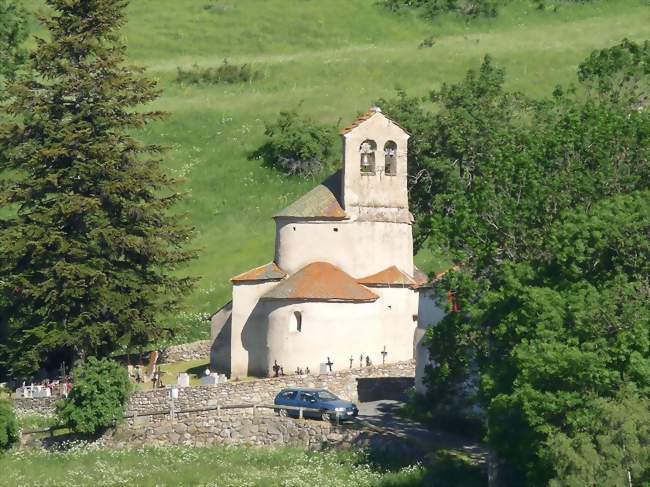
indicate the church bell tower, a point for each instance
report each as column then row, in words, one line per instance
column 375, row 169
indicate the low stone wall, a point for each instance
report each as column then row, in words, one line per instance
column 262, row 430
column 187, row 351
column 43, row 406
column 343, row 383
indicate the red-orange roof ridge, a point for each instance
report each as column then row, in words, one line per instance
column 266, row 272
column 321, row 281
column 362, row 118
column 391, row 276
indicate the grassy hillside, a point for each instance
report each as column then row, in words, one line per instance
column 334, row 57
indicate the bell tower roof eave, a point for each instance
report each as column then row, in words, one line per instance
column 361, row 120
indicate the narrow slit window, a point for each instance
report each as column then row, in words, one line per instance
column 390, row 158
column 296, row 322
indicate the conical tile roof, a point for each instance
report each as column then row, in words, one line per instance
column 321, row 281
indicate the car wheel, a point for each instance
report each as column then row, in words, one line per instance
column 325, row 416
column 283, row 413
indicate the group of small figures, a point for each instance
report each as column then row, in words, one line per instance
column 300, row 371
column 139, row 374
column 278, row 370
column 368, row 361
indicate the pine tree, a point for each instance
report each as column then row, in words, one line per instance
column 13, row 32
column 90, row 250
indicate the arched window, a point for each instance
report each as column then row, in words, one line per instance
column 390, row 158
column 296, row 321
column 367, row 150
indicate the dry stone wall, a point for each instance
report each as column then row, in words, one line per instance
column 188, row 351
column 258, row 431
column 42, row 406
column 343, row 383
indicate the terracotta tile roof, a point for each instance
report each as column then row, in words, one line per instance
column 267, row 272
column 362, row 118
column 322, row 202
column 421, row 279
column 321, row 281
column 390, row 276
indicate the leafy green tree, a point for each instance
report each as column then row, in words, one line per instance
column 8, row 425
column 13, row 32
column 98, row 398
column 90, row 250
column 612, row 450
column 544, row 204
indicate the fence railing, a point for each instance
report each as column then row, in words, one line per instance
column 172, row 412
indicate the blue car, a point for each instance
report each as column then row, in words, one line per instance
column 327, row 404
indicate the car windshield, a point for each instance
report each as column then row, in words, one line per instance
column 327, row 396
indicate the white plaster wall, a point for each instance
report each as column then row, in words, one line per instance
column 378, row 190
column 358, row 248
column 338, row 331
column 245, row 298
column 429, row 314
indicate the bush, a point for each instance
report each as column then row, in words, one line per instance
column 8, row 425
column 433, row 8
column 225, row 74
column 298, row 145
column 98, row 397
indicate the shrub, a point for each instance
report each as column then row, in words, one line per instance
column 8, row 425
column 98, row 397
column 432, row 8
column 227, row 73
column 427, row 42
column 298, row 145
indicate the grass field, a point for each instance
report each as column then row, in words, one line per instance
column 230, row 467
column 333, row 58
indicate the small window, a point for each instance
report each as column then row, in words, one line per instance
column 296, row 322
column 336, row 229
column 390, row 158
column 367, row 150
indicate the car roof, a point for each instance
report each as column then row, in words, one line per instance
column 302, row 389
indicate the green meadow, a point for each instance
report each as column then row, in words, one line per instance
column 233, row 467
column 332, row 58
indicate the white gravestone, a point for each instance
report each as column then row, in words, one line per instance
column 183, row 380
column 210, row 380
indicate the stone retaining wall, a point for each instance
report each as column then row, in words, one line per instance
column 343, row 383
column 43, row 406
column 263, row 430
column 187, row 351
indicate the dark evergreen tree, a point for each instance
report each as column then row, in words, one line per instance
column 90, row 250
column 13, row 32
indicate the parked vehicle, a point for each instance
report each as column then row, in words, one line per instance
column 326, row 404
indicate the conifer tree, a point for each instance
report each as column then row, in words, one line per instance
column 13, row 32
column 90, row 250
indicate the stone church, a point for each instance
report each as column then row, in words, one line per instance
column 342, row 288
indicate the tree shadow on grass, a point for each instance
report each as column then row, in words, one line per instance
column 443, row 468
